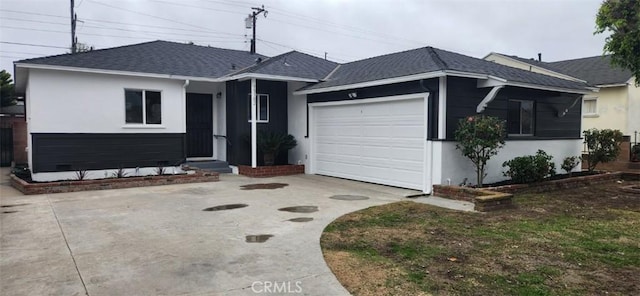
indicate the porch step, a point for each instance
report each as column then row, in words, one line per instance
column 211, row 165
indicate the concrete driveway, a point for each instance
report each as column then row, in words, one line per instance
column 158, row 241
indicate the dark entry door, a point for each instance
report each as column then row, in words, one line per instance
column 199, row 125
column 6, row 146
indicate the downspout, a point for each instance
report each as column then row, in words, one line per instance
column 254, row 127
column 184, row 121
column 490, row 96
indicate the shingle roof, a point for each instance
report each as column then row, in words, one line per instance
column 535, row 62
column 595, row 70
column 294, row 64
column 158, row 57
column 429, row 59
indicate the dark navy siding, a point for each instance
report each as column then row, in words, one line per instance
column 69, row 152
column 411, row 87
column 463, row 97
column 238, row 126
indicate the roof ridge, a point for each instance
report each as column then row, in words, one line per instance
column 86, row 52
column 332, row 72
column 583, row 58
column 436, row 58
column 138, row 44
column 267, row 61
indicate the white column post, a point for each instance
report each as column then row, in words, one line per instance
column 254, row 127
column 442, row 108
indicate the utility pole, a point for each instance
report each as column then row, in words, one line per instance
column 256, row 11
column 74, row 18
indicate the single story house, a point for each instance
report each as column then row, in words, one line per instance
column 388, row 119
column 615, row 106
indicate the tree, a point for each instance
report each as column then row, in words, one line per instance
column 622, row 19
column 7, row 89
column 479, row 138
column 602, row 146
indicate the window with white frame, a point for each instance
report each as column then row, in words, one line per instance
column 262, row 114
column 590, row 106
column 520, row 118
column 143, row 106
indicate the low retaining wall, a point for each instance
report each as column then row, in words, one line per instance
column 484, row 200
column 568, row 183
column 499, row 197
column 271, row 171
column 112, row 183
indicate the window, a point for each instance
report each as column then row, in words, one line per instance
column 590, row 107
column 263, row 107
column 143, row 107
column 520, row 118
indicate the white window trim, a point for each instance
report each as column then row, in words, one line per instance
column 590, row 115
column 144, row 123
column 258, row 120
column 533, row 122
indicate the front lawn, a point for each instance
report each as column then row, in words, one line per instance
column 572, row 242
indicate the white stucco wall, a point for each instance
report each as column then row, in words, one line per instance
column 70, row 102
column 456, row 167
column 297, row 110
column 612, row 110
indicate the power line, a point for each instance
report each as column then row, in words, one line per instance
column 23, row 52
column 120, row 36
column 132, row 30
column 307, row 18
column 199, row 7
column 110, row 22
column 156, row 17
column 31, row 44
column 33, row 13
column 33, row 21
column 311, row 52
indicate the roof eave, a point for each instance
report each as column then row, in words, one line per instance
column 115, row 72
column 612, row 85
column 561, row 75
column 245, row 76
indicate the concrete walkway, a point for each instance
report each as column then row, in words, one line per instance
column 157, row 240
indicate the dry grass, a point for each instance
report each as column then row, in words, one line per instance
column 573, row 242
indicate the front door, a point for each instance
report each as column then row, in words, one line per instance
column 199, row 125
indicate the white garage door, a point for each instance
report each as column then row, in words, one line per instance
column 380, row 142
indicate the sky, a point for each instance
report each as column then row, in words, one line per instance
column 344, row 30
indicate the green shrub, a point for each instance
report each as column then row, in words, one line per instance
column 530, row 168
column 479, row 138
column 570, row 163
column 273, row 143
column 602, row 146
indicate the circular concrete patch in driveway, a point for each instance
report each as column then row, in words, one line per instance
column 349, row 197
column 300, row 209
column 225, row 207
column 263, row 186
column 259, row 238
column 301, row 219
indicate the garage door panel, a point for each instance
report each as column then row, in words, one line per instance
column 380, row 142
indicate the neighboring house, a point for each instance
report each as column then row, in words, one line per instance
column 388, row 119
column 615, row 106
column 13, row 135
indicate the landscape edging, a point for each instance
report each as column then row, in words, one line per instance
column 110, row 183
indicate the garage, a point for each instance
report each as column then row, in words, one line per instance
column 380, row 140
